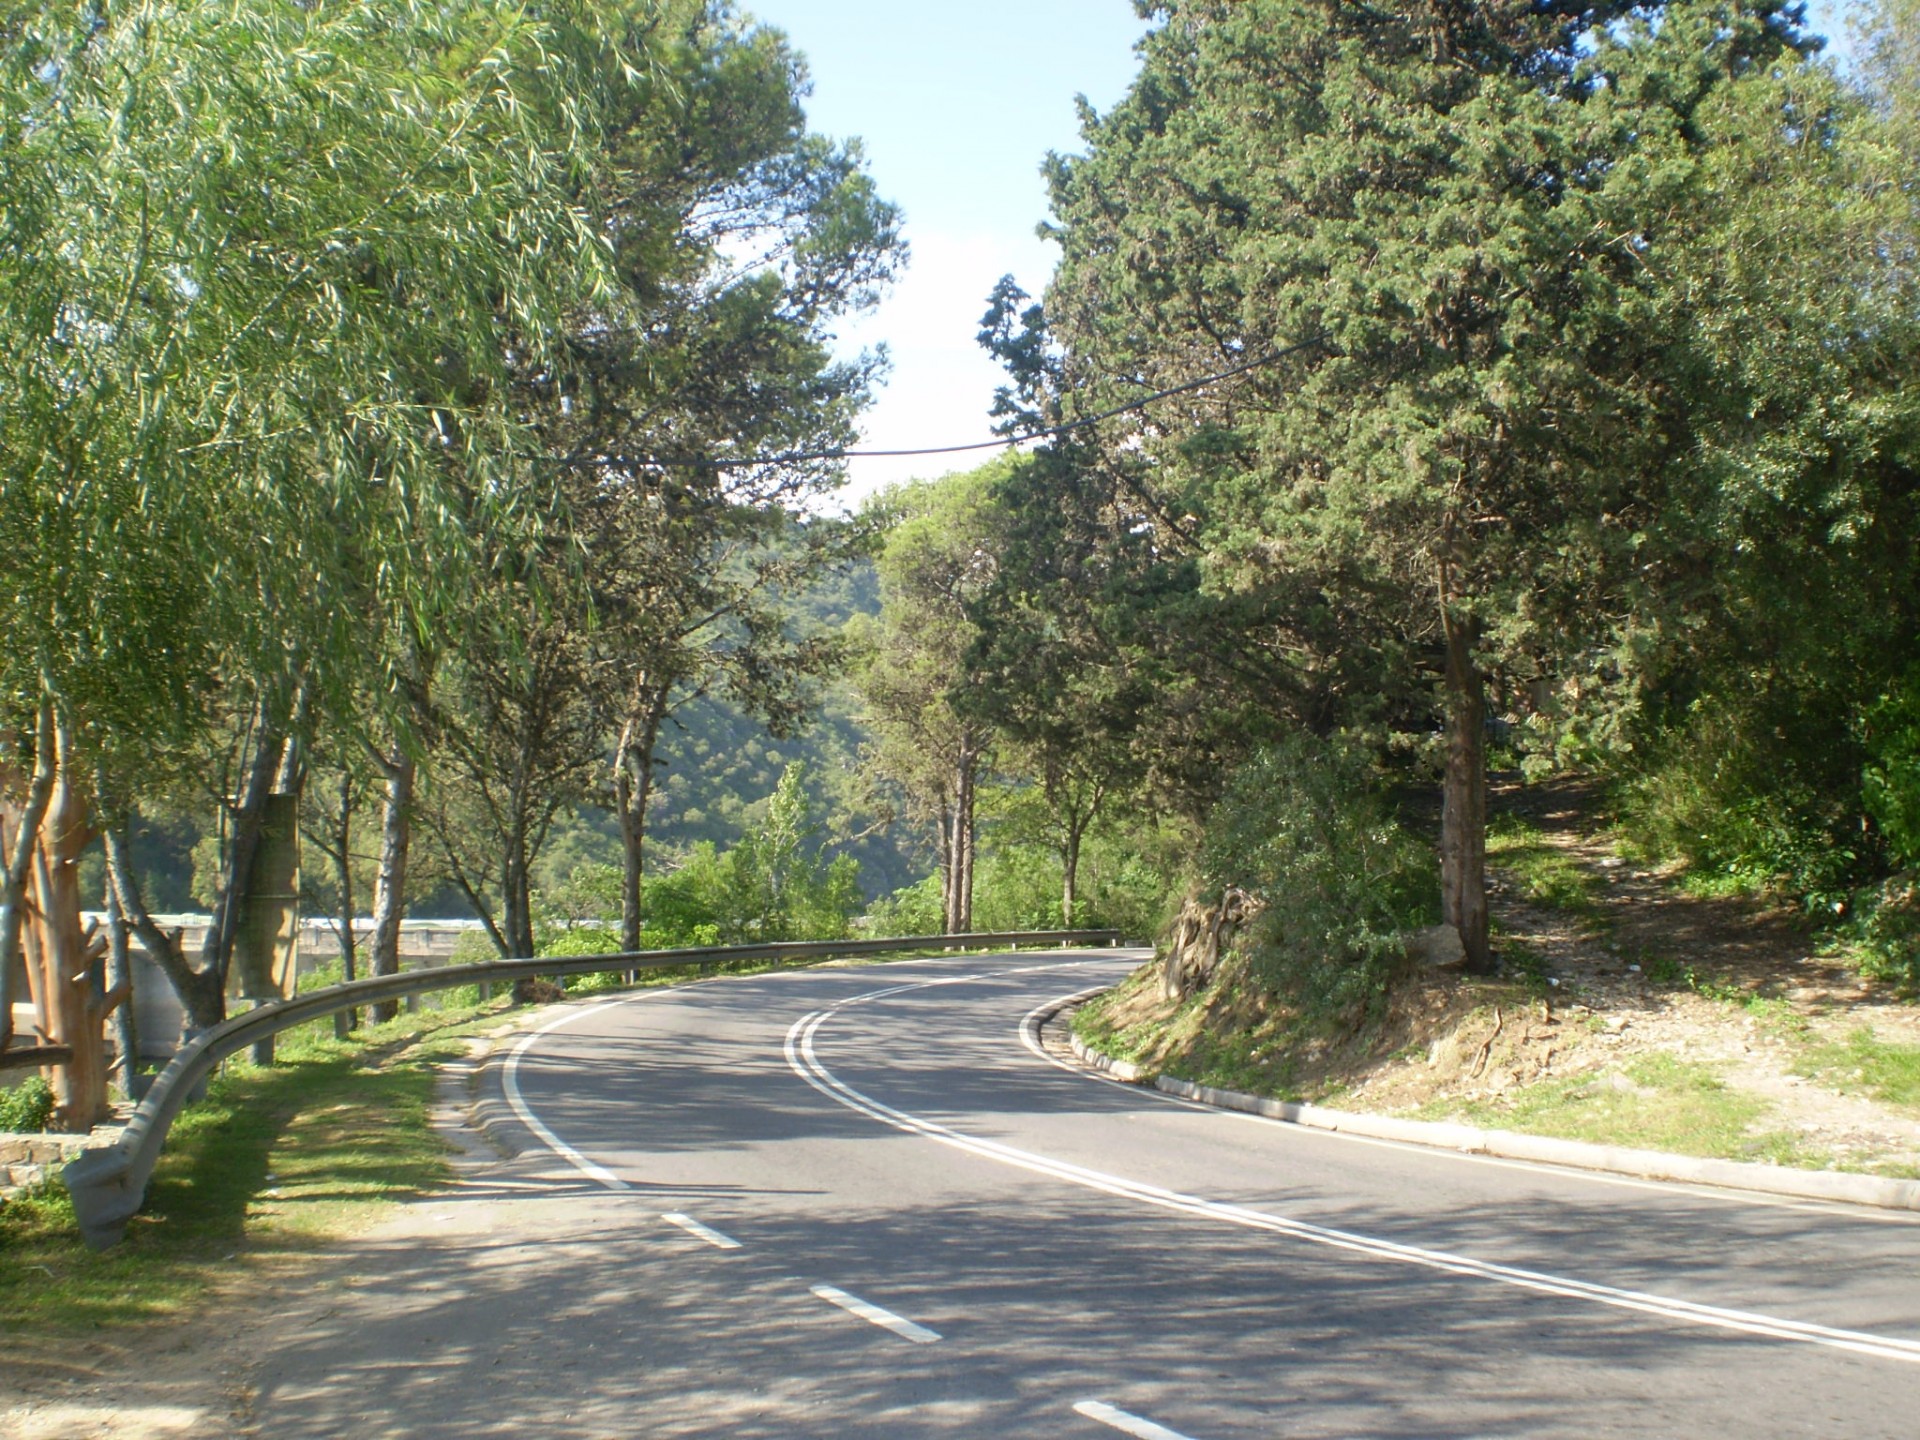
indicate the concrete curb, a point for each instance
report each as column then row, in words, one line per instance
column 1510, row 1145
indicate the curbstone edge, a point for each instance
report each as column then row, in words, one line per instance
column 1872, row 1190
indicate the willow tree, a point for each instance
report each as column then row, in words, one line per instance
column 256, row 263
column 1454, row 255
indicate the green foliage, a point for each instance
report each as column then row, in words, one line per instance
column 1304, row 829
column 1890, row 780
column 1883, row 933
column 1751, row 796
column 775, row 884
column 26, row 1107
column 911, row 910
column 1544, row 875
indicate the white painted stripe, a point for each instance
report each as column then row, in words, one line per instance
column 510, row 1082
column 873, row 1314
column 1718, row 1195
column 805, row 1063
column 1125, row 1423
column 706, row 1232
column 510, row 1072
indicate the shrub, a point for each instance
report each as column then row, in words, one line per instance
column 1307, row 831
column 1885, row 931
column 1890, row 781
column 911, row 910
column 27, row 1107
column 1751, row 797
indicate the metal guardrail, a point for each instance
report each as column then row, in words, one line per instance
column 109, row 1185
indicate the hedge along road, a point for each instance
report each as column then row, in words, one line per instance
column 852, row 1202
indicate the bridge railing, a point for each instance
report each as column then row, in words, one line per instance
column 109, row 1184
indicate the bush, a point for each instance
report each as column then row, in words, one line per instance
column 911, row 910
column 1885, row 931
column 1752, row 798
column 27, row 1107
column 1890, row 781
column 1305, row 829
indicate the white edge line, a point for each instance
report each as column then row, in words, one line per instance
column 1127, row 1424
column 875, row 1315
column 510, row 1082
column 705, row 1232
column 1719, row 1194
column 802, row 1060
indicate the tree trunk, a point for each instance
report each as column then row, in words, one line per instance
column 963, row 845
column 67, row 963
column 946, row 869
column 1463, row 816
column 1070, row 871
column 633, row 789
column 516, row 905
column 390, row 885
column 120, row 980
column 201, row 993
column 269, row 752
column 16, row 860
column 345, row 1021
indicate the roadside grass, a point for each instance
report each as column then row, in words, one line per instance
column 1543, row 874
column 1281, row 1053
column 274, row 1163
column 1889, row 1072
column 1097, row 1025
column 1655, row 1103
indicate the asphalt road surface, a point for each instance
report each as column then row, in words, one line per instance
column 865, row 1201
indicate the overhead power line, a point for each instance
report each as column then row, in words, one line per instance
column 796, row 457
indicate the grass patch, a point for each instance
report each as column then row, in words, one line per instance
column 1889, row 1073
column 1099, row 1025
column 1656, row 1103
column 1542, row 873
column 275, row 1162
column 1216, row 1037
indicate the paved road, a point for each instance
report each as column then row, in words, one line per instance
column 858, row 1202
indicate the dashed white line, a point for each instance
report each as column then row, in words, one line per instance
column 874, row 1315
column 705, row 1232
column 1126, row 1424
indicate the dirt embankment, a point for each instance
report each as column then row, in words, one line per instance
column 1629, row 1011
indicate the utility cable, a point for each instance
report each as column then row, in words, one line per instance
column 796, row 457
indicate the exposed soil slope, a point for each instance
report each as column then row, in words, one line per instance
column 1629, row 1011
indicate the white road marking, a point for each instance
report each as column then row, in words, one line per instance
column 1030, row 1037
column 1125, row 1423
column 510, row 1072
column 705, row 1232
column 510, row 1082
column 806, row 1064
column 874, row 1315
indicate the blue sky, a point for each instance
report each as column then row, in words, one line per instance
column 957, row 104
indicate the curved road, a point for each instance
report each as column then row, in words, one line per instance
column 865, row 1201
